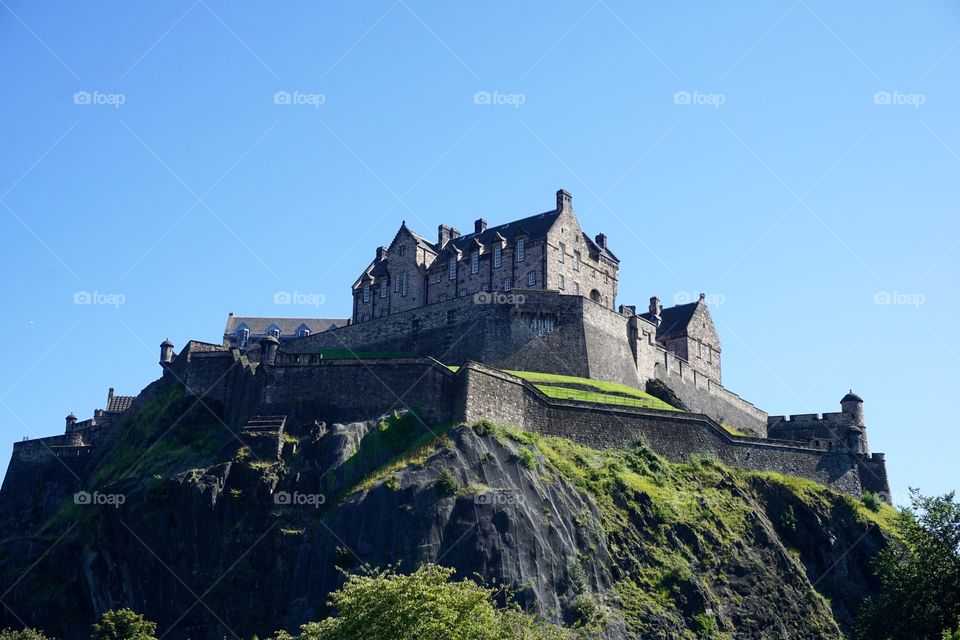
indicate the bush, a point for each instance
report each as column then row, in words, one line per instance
column 482, row 428
column 124, row 624
column 871, row 501
column 392, row 483
column 447, row 483
column 420, row 606
column 22, row 634
column 528, row 459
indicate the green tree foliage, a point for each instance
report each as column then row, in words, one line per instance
column 919, row 596
column 22, row 634
column 124, row 624
column 425, row 604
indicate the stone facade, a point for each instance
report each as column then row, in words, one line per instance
column 545, row 251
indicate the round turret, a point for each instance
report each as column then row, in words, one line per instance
column 852, row 404
column 268, row 349
column 71, row 422
column 166, row 351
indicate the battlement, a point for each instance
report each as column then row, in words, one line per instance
column 834, row 418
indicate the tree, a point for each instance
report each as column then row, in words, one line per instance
column 425, row 604
column 124, row 624
column 22, row 634
column 919, row 595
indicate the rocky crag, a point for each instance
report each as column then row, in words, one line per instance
column 219, row 532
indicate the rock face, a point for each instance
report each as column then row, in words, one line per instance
column 189, row 527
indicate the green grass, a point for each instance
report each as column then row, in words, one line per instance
column 599, row 387
column 563, row 393
column 733, row 430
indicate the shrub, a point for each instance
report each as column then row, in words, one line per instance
column 447, row 483
column 22, row 634
column 483, row 427
column 392, row 483
column 124, row 624
column 871, row 501
column 528, row 459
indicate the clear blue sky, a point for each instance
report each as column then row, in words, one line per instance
column 778, row 183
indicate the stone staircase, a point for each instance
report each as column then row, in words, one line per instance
column 264, row 436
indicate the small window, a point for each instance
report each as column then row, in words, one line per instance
column 403, row 286
column 396, row 285
column 384, row 288
column 521, row 250
column 475, row 262
column 507, row 284
column 462, row 293
column 243, row 337
column 366, row 317
column 443, row 297
column 699, row 349
column 563, row 283
column 366, row 293
column 576, row 288
column 402, row 249
column 304, row 333
column 384, row 312
column 561, row 252
column 274, row 332
column 576, row 261
column 497, row 257
column 532, row 279
column 606, row 277
column 453, row 268
column 709, row 354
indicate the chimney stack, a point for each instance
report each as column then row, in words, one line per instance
column 564, row 201
column 602, row 240
column 655, row 307
column 479, row 225
column 445, row 234
column 381, row 253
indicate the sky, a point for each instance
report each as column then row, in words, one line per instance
column 163, row 164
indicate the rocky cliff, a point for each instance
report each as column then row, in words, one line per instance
column 216, row 532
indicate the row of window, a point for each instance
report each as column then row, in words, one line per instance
column 243, row 335
column 520, row 253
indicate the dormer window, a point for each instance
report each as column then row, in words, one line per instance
column 274, row 331
column 366, row 293
column 521, row 249
column 303, row 333
column 383, row 288
column 475, row 262
column 453, row 268
column 243, row 337
column 497, row 257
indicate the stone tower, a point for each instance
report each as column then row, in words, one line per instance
column 166, row 351
column 852, row 405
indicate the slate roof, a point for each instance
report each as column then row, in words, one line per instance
column 535, row 227
column 288, row 326
column 851, row 396
column 119, row 403
column 674, row 320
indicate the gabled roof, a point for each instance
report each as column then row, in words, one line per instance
column 673, row 320
column 287, row 326
column 119, row 403
column 603, row 251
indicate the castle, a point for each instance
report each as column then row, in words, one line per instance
column 438, row 327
